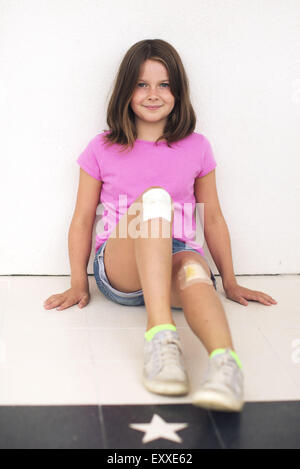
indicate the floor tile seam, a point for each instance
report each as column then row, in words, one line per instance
column 216, row 430
column 282, row 367
column 102, row 426
column 93, row 363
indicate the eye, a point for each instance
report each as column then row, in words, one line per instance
column 145, row 84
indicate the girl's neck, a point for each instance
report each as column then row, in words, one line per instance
column 149, row 133
column 150, row 139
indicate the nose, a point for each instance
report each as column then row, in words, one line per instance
column 152, row 100
column 152, row 92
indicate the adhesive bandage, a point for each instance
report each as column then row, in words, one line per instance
column 192, row 272
column 157, row 202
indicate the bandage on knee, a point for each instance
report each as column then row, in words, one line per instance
column 157, row 202
column 192, row 272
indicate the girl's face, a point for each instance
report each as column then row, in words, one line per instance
column 152, row 89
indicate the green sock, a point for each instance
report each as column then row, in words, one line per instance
column 232, row 353
column 151, row 333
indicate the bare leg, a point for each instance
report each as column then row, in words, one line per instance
column 206, row 316
column 154, row 263
column 135, row 259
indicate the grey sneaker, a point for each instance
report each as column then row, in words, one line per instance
column 164, row 369
column 222, row 387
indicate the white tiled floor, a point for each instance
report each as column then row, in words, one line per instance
column 94, row 355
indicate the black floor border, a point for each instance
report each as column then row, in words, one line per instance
column 261, row 425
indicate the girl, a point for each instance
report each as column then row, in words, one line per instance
column 151, row 167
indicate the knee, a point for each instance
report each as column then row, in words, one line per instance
column 191, row 271
column 161, row 192
column 157, row 202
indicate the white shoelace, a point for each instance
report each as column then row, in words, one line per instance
column 166, row 352
column 222, row 370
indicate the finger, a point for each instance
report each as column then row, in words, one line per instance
column 265, row 299
column 271, row 300
column 268, row 298
column 261, row 297
column 54, row 303
column 243, row 301
column 82, row 303
column 48, row 300
column 257, row 296
column 63, row 305
column 237, row 298
column 50, row 303
column 51, row 299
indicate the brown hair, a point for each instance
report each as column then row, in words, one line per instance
column 120, row 117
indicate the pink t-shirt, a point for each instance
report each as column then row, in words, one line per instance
column 126, row 175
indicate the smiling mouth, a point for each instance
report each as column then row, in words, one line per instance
column 152, row 107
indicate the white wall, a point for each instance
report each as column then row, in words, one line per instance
column 58, row 59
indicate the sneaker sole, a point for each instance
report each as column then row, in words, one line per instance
column 213, row 401
column 171, row 388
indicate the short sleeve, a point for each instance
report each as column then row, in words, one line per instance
column 88, row 161
column 208, row 161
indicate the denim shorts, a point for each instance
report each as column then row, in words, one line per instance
column 135, row 298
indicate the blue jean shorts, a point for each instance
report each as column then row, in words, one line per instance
column 135, row 298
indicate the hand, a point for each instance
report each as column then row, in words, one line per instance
column 68, row 298
column 239, row 294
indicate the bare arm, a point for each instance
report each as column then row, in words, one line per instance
column 80, row 242
column 217, row 237
column 215, row 228
column 81, row 228
column 218, row 241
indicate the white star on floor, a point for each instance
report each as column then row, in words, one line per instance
column 158, row 428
